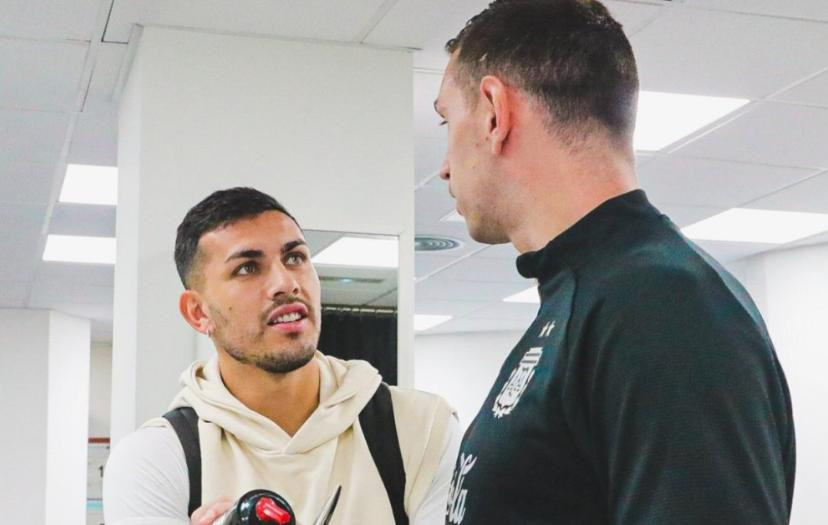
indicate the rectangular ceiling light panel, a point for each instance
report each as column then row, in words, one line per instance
column 371, row 252
column 77, row 249
column 664, row 118
column 85, row 184
column 759, row 226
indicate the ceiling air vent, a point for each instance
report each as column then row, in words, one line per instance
column 429, row 243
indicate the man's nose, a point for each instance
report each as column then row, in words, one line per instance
column 281, row 281
column 444, row 170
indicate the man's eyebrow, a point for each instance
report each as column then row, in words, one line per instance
column 245, row 253
column 292, row 244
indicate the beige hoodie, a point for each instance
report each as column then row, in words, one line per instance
column 242, row 450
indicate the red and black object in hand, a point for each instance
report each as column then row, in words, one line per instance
column 259, row 507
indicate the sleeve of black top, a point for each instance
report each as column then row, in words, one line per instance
column 685, row 407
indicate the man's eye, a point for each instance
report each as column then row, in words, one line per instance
column 296, row 258
column 247, row 268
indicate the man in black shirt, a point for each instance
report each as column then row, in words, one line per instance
column 647, row 390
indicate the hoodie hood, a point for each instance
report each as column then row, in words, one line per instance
column 345, row 387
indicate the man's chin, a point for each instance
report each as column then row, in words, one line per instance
column 281, row 362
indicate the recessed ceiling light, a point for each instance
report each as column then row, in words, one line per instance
column 377, row 252
column 760, row 226
column 77, row 249
column 530, row 295
column 85, row 184
column 453, row 216
column 664, row 118
column 424, row 322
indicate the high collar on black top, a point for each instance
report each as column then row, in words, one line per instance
column 582, row 240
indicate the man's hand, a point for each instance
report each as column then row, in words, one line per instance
column 207, row 514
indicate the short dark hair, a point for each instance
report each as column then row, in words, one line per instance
column 571, row 55
column 219, row 209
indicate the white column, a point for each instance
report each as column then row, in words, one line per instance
column 44, row 405
column 324, row 128
column 791, row 289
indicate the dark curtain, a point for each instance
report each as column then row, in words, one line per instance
column 362, row 335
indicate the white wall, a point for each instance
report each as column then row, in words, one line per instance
column 202, row 112
column 791, row 289
column 24, row 360
column 68, row 426
column 100, row 389
column 44, row 399
column 461, row 367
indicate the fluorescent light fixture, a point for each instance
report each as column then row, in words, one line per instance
column 86, row 184
column 664, row 118
column 453, row 217
column 760, row 226
column 77, row 249
column 376, row 252
column 424, row 322
column 530, row 295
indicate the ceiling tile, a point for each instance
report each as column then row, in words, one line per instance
column 20, row 219
column 312, row 19
column 83, row 219
column 453, row 308
column 20, row 255
column 425, row 264
column 13, row 294
column 479, row 269
column 54, row 19
column 813, row 92
column 54, row 273
column 685, row 215
column 432, row 204
column 439, row 290
column 32, row 136
column 108, row 63
column 466, row 324
column 523, row 312
column 70, row 297
column 25, row 183
column 715, row 53
column 703, row 182
column 808, row 9
column 428, row 157
column 809, row 196
column 426, row 120
column 501, row 251
column 773, row 133
column 95, row 139
column 727, row 252
column 40, row 75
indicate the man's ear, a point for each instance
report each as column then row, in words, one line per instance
column 192, row 309
column 497, row 107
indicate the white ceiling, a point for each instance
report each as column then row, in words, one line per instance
column 60, row 61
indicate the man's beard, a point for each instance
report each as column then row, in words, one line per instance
column 281, row 361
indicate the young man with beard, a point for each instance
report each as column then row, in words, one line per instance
column 647, row 390
column 273, row 412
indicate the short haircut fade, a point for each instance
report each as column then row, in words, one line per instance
column 219, row 209
column 571, row 55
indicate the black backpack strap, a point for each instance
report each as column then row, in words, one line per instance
column 184, row 421
column 380, row 429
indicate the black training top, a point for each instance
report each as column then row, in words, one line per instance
column 646, row 391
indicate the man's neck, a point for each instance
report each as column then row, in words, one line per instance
column 556, row 201
column 286, row 399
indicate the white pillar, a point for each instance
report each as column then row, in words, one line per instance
column 791, row 289
column 44, row 405
column 324, row 128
